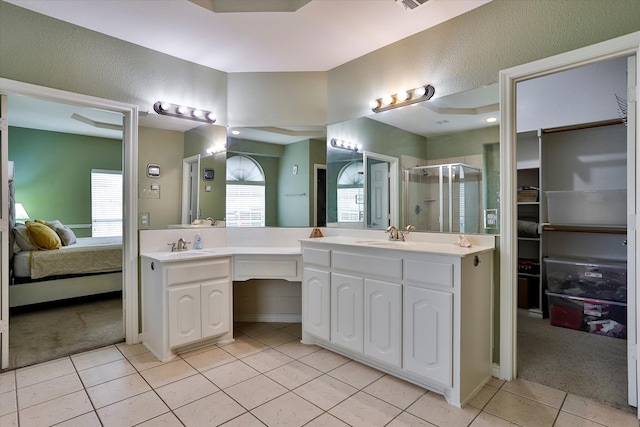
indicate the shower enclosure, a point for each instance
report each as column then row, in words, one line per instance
column 444, row 197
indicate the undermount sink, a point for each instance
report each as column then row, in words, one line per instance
column 191, row 253
column 384, row 243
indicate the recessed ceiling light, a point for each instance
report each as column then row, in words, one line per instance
column 491, row 119
column 235, row 132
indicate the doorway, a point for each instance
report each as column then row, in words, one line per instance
column 190, row 189
column 320, row 191
column 623, row 46
column 381, row 191
column 129, row 166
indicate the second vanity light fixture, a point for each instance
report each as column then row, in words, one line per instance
column 402, row 98
column 338, row 143
column 180, row 111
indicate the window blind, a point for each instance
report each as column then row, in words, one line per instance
column 106, row 203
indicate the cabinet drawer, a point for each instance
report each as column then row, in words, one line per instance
column 367, row 265
column 321, row 257
column 431, row 273
column 287, row 267
column 188, row 272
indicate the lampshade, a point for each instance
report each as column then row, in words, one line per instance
column 21, row 213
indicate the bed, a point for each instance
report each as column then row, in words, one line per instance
column 62, row 266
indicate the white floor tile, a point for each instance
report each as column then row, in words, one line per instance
column 48, row 390
column 132, row 411
column 186, row 390
column 287, row 410
column 117, row 390
column 43, row 372
column 107, row 372
column 255, row 391
column 94, row 358
column 56, row 411
column 365, row 410
column 212, row 410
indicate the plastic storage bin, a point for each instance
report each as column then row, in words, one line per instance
column 604, row 280
column 590, row 315
column 606, row 208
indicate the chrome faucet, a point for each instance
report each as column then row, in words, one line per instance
column 395, row 234
column 182, row 245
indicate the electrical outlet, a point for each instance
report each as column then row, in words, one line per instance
column 490, row 219
column 143, row 219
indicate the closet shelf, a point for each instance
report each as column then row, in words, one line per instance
column 585, row 229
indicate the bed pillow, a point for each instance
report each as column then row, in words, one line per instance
column 51, row 224
column 67, row 236
column 42, row 236
column 22, row 238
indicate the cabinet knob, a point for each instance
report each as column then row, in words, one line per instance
column 153, row 265
column 624, row 242
column 476, row 261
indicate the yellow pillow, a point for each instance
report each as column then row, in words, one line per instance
column 42, row 236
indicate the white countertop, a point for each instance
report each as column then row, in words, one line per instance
column 407, row 246
column 193, row 254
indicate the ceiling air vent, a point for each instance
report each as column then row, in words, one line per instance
column 411, row 4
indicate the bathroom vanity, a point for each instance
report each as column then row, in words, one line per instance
column 420, row 311
column 187, row 297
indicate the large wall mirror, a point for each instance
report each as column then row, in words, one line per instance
column 447, row 153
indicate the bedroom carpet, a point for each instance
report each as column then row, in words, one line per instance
column 52, row 332
column 588, row 365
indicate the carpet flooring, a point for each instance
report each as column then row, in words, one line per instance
column 50, row 331
column 577, row 362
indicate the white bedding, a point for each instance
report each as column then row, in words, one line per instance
column 22, row 260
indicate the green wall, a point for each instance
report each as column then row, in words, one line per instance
column 53, row 172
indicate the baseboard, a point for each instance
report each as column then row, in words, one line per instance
column 495, row 370
column 268, row 317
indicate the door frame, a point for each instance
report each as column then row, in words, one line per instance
column 622, row 46
column 130, row 190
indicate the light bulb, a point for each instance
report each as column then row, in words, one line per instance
column 197, row 114
column 419, row 92
column 491, row 119
column 211, row 117
column 164, row 106
column 374, row 104
column 387, row 100
column 181, row 110
column 402, row 96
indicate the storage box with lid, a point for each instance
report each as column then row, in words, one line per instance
column 601, row 317
column 587, row 278
column 605, row 208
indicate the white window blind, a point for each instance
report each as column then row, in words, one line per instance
column 245, row 205
column 106, row 203
column 245, row 193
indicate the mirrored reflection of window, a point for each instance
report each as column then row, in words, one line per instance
column 351, row 193
column 245, row 193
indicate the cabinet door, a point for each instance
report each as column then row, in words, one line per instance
column 185, row 322
column 428, row 333
column 316, row 311
column 215, row 308
column 347, row 312
column 383, row 321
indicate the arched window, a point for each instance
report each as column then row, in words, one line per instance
column 245, row 193
column 351, row 193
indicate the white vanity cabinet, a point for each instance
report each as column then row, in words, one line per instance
column 422, row 316
column 185, row 303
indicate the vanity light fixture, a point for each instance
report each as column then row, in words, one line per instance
column 219, row 148
column 180, row 111
column 402, row 98
column 346, row 145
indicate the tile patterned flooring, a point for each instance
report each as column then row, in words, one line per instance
column 267, row 378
